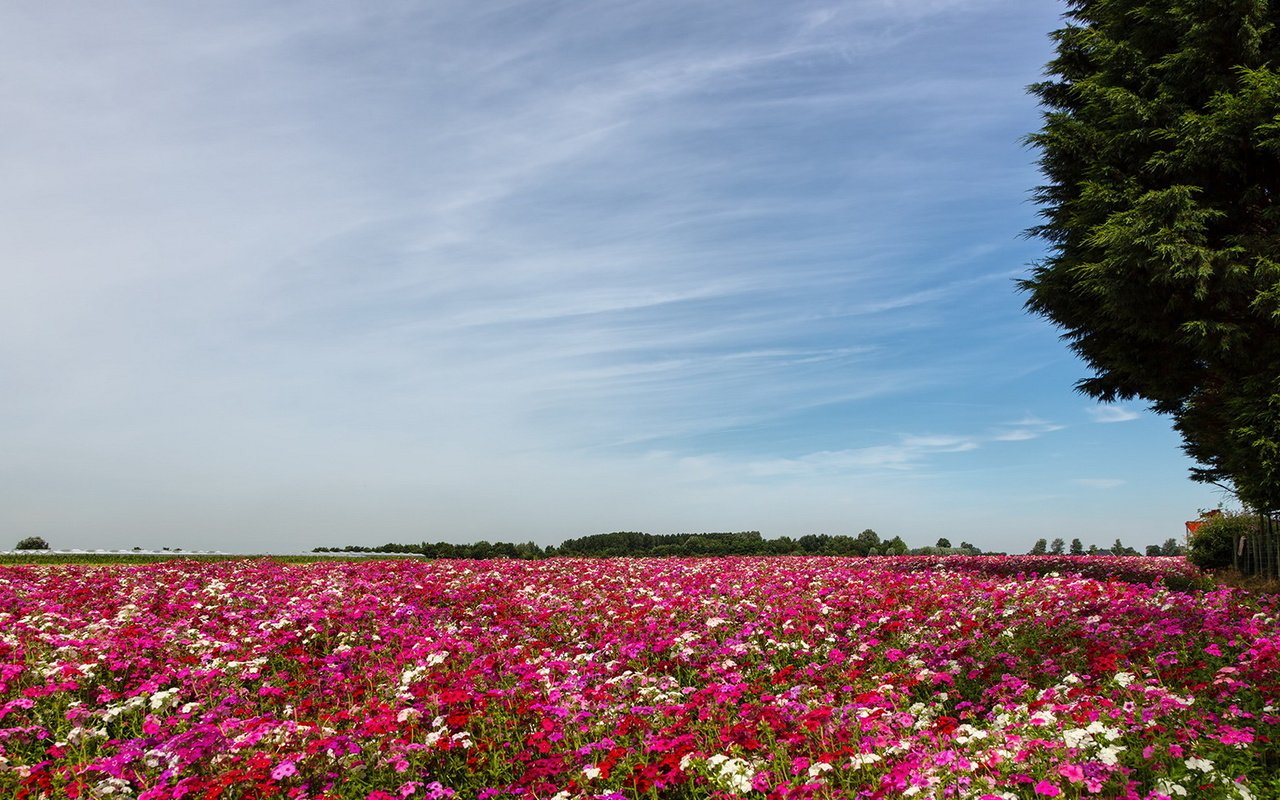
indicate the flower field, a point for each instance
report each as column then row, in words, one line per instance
column 753, row 677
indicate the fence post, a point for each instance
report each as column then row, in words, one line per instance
column 1272, row 543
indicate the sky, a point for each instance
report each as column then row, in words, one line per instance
column 286, row 275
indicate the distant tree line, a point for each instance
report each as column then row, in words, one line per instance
column 1058, row 547
column 741, row 543
column 650, row 545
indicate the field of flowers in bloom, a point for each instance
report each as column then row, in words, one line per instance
column 753, row 677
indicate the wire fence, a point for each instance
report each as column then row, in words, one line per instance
column 1258, row 553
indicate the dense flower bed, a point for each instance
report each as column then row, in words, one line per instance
column 1176, row 573
column 620, row 679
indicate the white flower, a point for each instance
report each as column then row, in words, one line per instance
column 110, row 786
column 819, row 767
column 734, row 773
column 863, row 759
column 1202, row 764
column 162, row 698
column 591, row 772
column 1076, row 737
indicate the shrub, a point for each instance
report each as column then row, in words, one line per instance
column 32, row 543
column 1213, row 543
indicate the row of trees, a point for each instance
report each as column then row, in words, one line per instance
column 1059, row 547
column 742, row 543
column 637, row 544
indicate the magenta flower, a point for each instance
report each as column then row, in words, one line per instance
column 283, row 770
column 183, row 679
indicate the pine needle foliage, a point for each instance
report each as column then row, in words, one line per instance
column 1160, row 147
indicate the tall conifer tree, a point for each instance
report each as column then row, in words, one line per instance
column 1161, row 152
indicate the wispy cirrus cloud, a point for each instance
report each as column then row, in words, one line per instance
column 1025, row 429
column 1113, row 413
column 324, row 267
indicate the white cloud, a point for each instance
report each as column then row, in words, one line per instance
column 334, row 267
column 1110, row 414
column 1025, row 429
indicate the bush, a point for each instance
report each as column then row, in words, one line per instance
column 32, row 543
column 1212, row 545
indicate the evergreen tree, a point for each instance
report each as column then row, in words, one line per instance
column 1077, row 548
column 1040, row 547
column 867, row 541
column 1057, row 547
column 1161, row 150
column 896, row 547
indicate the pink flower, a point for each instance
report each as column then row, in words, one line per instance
column 1047, row 789
column 436, row 791
column 1072, row 772
column 283, row 770
column 1228, row 735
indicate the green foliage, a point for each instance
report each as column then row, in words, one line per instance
column 1213, row 544
column 32, row 543
column 867, row 541
column 1040, row 547
column 1161, row 150
column 1057, row 547
column 1077, row 547
column 896, row 547
column 647, row 545
column 1118, row 548
column 943, row 543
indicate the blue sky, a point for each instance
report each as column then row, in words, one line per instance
column 296, row 274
